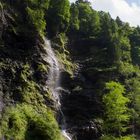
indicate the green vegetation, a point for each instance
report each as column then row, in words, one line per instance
column 63, row 55
column 26, row 122
column 84, row 20
column 42, row 68
column 116, row 111
column 105, row 91
column 58, row 16
column 36, row 17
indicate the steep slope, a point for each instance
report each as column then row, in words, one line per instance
column 26, row 106
column 73, row 84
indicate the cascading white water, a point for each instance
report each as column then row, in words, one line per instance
column 53, row 83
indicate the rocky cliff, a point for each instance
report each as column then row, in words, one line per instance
column 98, row 63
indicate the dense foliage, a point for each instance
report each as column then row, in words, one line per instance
column 116, row 111
column 107, row 87
column 27, row 122
column 116, row 54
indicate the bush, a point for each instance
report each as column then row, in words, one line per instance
column 25, row 122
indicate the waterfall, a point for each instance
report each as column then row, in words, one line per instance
column 53, row 83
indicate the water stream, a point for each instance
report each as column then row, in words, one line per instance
column 53, row 83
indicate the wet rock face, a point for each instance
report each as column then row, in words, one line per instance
column 82, row 106
column 80, row 110
column 89, row 133
column 16, row 51
column 1, row 95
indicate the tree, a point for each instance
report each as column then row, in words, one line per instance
column 74, row 19
column 58, row 16
column 30, row 18
column 83, row 1
column 116, row 111
column 119, row 22
column 106, row 30
column 109, row 38
column 134, row 95
column 88, row 20
column 135, row 43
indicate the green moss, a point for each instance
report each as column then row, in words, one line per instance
column 26, row 122
column 31, row 95
column 67, row 64
column 48, row 95
column 28, row 90
column 63, row 54
column 25, row 73
column 42, row 68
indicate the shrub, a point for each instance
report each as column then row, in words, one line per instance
column 25, row 122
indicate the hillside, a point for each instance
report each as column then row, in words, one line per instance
column 68, row 72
